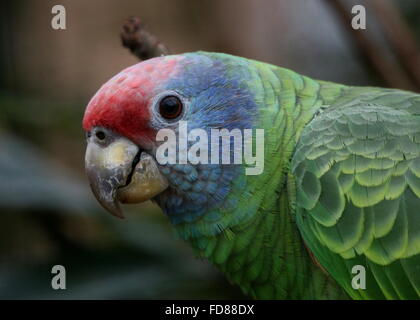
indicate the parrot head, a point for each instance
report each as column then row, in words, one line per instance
column 122, row 120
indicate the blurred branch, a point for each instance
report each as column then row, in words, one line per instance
column 400, row 37
column 141, row 42
column 390, row 73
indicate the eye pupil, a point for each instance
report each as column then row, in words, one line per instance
column 100, row 135
column 170, row 107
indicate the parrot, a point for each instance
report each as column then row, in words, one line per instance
column 335, row 212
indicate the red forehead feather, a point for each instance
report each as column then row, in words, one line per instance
column 121, row 104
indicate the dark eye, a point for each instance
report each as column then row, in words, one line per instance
column 170, row 107
column 100, row 135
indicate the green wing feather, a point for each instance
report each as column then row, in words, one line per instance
column 357, row 170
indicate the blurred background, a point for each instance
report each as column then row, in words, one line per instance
column 48, row 215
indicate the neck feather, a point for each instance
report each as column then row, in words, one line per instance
column 257, row 244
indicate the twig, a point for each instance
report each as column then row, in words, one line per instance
column 141, row 42
column 389, row 72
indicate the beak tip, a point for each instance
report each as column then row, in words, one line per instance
column 119, row 215
column 114, row 208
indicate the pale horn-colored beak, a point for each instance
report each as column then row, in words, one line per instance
column 119, row 171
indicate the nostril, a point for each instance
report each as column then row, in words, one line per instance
column 100, row 135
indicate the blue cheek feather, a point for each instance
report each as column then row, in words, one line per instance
column 218, row 99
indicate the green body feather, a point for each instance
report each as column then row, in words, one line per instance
column 341, row 182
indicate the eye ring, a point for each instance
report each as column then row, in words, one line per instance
column 170, row 107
